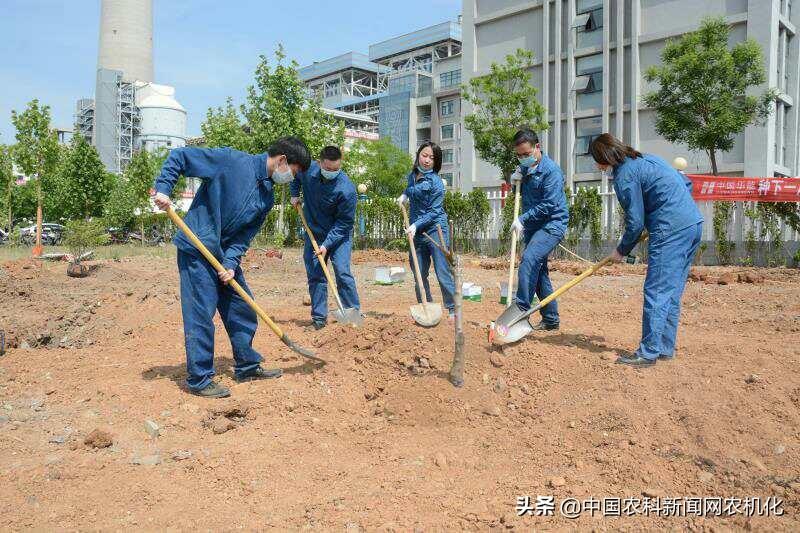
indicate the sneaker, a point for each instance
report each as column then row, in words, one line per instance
column 542, row 326
column 319, row 324
column 213, row 390
column 636, row 361
column 451, row 316
column 260, row 373
column 666, row 357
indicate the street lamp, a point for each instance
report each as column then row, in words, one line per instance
column 362, row 197
column 680, row 164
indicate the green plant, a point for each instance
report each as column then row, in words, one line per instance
column 398, row 244
column 82, row 235
column 585, row 213
column 706, row 89
column 469, row 214
column 380, row 165
column 796, row 258
column 724, row 246
column 701, row 250
column 503, row 101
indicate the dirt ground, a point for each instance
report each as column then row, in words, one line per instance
column 377, row 439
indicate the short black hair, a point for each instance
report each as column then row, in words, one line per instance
column 437, row 155
column 294, row 149
column 330, row 153
column 525, row 135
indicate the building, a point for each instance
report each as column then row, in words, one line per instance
column 407, row 86
column 591, row 81
column 129, row 112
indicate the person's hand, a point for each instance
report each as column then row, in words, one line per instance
column 401, row 199
column 226, row 276
column 411, row 230
column 517, row 227
column 321, row 252
column 516, row 176
column 294, row 200
column 162, row 201
column 617, row 257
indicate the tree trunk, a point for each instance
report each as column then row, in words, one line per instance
column 10, row 195
column 712, row 154
column 37, row 250
column 457, row 368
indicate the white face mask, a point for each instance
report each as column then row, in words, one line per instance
column 280, row 177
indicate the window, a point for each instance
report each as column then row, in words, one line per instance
column 449, row 79
column 331, row 88
column 586, row 130
column 589, row 23
column 447, row 131
column 447, row 156
column 589, row 81
column 446, row 108
column 447, row 177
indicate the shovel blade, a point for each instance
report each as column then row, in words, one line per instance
column 426, row 314
column 501, row 334
column 348, row 316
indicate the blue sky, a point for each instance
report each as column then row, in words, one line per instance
column 207, row 49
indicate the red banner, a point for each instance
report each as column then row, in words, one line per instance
column 708, row 188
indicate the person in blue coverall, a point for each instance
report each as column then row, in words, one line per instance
column 659, row 198
column 543, row 221
column 227, row 211
column 329, row 205
column 425, row 195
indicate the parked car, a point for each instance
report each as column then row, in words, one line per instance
column 51, row 234
column 3, row 236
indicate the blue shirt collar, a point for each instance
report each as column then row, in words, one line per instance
column 261, row 166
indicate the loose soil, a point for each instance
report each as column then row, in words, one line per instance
column 376, row 438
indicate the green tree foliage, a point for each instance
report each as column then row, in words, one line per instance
column 85, row 183
column 7, row 184
column 83, row 235
column 705, row 95
column 132, row 191
column 381, row 165
column 503, row 100
column 585, row 213
column 223, row 127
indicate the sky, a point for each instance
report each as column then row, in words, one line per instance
column 206, row 49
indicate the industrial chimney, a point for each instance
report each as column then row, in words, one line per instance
column 126, row 38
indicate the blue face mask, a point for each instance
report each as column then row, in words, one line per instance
column 424, row 170
column 329, row 174
column 527, row 162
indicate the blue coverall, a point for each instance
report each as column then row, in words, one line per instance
column 544, row 217
column 330, row 209
column 228, row 210
column 657, row 197
column 425, row 194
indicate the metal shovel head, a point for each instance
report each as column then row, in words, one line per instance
column 348, row 316
column 510, row 326
column 426, row 314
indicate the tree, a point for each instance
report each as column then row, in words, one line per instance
column 6, row 181
column 223, row 127
column 504, row 100
column 36, row 151
column 132, row 191
column 705, row 95
column 381, row 165
column 86, row 183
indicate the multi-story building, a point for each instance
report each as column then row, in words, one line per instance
column 590, row 56
column 407, row 88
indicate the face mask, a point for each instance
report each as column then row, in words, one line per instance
column 329, row 174
column 528, row 162
column 280, row 177
column 424, row 170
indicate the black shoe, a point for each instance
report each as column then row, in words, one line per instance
column 542, row 326
column 665, row 357
column 213, row 390
column 635, row 360
column 260, row 373
column 319, row 324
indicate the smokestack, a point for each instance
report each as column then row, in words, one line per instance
column 126, row 38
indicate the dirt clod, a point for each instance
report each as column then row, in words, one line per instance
column 99, row 439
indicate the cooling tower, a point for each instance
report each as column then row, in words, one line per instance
column 126, row 38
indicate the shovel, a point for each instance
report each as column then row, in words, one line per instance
column 345, row 316
column 513, row 325
column 178, row 221
column 513, row 258
column 425, row 314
